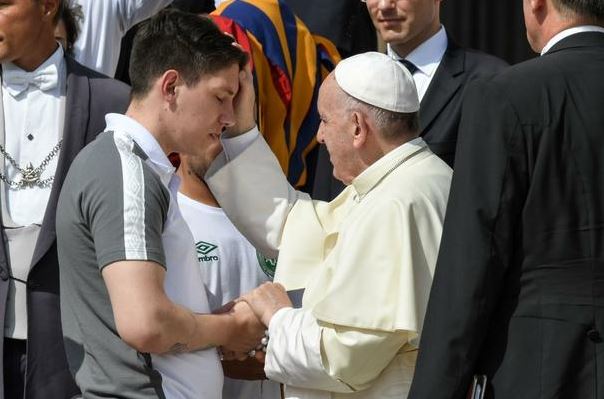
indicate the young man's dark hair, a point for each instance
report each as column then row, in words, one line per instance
column 195, row 6
column 190, row 44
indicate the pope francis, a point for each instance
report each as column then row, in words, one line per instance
column 366, row 259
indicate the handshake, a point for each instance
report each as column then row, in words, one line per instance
column 251, row 315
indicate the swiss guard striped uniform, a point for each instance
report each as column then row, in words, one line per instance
column 289, row 65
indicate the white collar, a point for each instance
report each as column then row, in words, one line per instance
column 144, row 139
column 374, row 174
column 427, row 56
column 568, row 32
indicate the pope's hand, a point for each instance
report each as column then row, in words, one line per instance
column 244, row 104
column 266, row 300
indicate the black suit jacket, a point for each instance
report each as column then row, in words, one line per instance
column 518, row 293
column 90, row 96
column 439, row 114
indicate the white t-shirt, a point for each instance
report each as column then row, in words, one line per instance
column 230, row 267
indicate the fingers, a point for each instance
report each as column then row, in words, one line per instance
column 247, row 330
column 260, row 356
column 266, row 300
column 226, row 308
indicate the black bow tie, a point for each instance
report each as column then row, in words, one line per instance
column 409, row 65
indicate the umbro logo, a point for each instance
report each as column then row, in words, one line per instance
column 203, row 251
column 205, row 248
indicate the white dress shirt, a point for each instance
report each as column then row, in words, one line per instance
column 426, row 57
column 38, row 114
column 568, row 32
column 105, row 24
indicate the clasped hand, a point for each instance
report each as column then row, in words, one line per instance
column 252, row 314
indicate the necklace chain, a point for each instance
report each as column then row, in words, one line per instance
column 30, row 176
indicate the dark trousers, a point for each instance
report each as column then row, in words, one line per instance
column 15, row 357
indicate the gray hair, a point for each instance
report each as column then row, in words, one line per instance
column 591, row 9
column 391, row 125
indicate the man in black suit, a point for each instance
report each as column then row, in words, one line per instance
column 51, row 107
column 441, row 69
column 518, row 294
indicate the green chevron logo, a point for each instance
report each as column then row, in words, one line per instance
column 203, row 252
column 205, row 248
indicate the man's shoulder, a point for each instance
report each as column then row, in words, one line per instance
column 525, row 77
column 477, row 63
column 110, row 147
column 97, row 156
column 99, row 84
column 423, row 178
column 111, row 161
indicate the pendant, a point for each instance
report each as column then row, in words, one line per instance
column 31, row 176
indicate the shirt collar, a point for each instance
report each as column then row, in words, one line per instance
column 427, row 56
column 569, row 32
column 57, row 58
column 145, row 140
column 375, row 173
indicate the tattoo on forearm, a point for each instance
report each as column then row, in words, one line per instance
column 184, row 348
column 179, row 348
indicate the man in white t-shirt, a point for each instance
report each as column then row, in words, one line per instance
column 229, row 264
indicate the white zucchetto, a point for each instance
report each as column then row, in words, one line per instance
column 378, row 80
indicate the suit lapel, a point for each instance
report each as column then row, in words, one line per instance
column 447, row 80
column 74, row 137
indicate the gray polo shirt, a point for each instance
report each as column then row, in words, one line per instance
column 118, row 203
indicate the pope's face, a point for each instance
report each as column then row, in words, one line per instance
column 336, row 131
column 405, row 21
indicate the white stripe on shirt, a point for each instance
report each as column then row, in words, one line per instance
column 133, row 189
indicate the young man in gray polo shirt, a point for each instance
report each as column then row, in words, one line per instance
column 134, row 309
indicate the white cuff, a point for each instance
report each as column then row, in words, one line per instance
column 233, row 146
column 293, row 356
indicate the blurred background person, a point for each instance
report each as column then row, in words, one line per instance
column 414, row 34
column 51, row 108
column 289, row 64
column 104, row 24
column 68, row 26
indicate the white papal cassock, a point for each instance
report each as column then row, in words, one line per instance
column 366, row 261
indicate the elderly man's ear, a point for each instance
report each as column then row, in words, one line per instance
column 362, row 129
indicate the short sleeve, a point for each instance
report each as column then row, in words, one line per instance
column 125, row 209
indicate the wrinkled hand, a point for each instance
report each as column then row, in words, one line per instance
column 266, row 300
column 244, row 104
column 246, row 332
